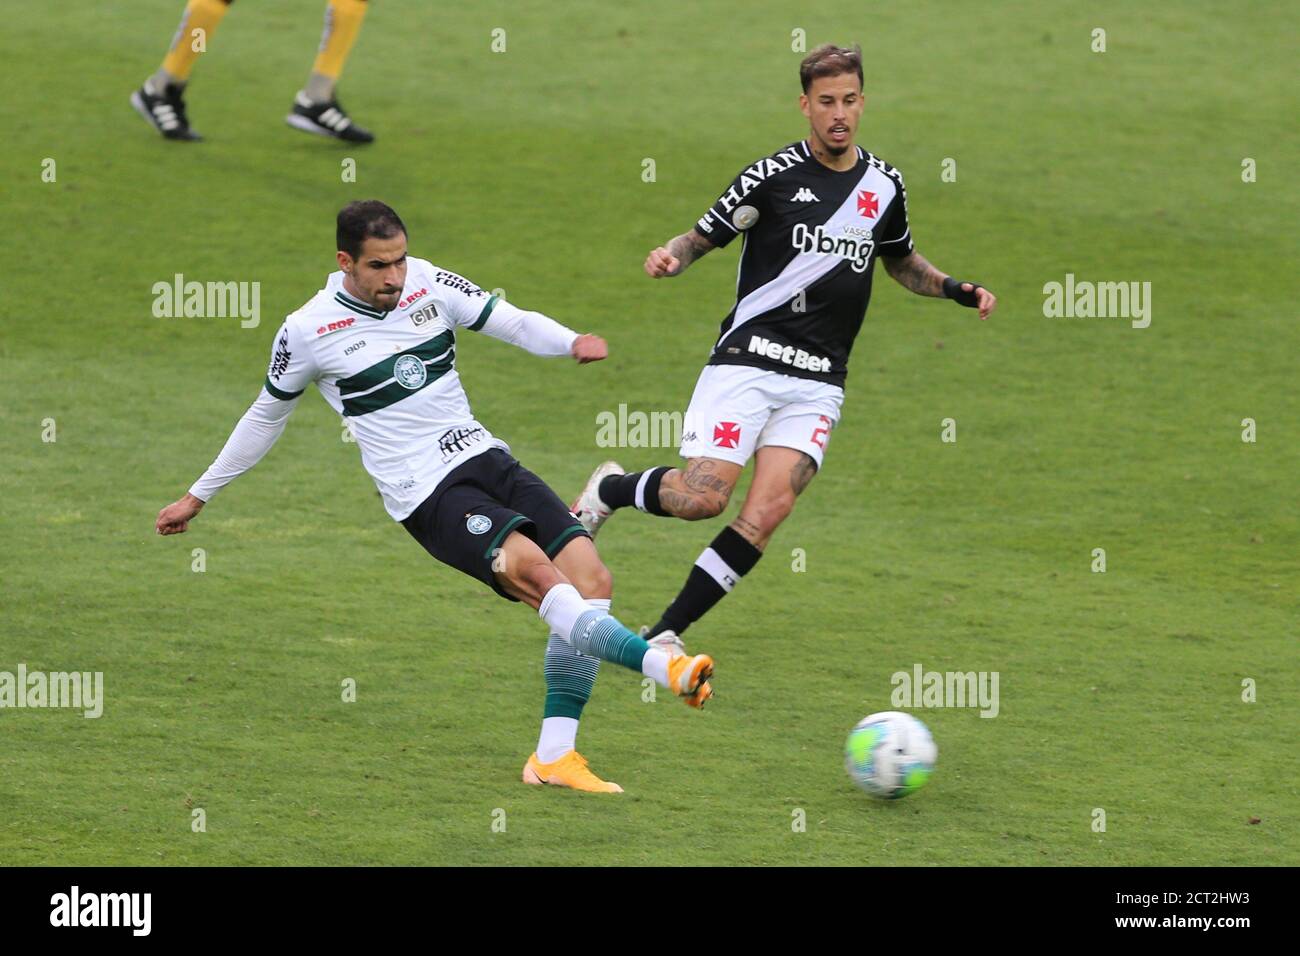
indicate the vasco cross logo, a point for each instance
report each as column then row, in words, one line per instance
column 410, row 372
column 726, row 435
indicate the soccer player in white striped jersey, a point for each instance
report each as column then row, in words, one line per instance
column 379, row 342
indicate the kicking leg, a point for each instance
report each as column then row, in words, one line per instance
column 780, row 474
column 524, row 572
column 570, row 678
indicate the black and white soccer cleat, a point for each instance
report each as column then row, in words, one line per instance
column 326, row 119
column 165, row 111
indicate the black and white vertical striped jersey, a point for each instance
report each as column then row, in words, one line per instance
column 811, row 238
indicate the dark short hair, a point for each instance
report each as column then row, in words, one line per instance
column 830, row 60
column 366, row 219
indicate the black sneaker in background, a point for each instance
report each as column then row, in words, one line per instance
column 165, row 112
column 326, row 119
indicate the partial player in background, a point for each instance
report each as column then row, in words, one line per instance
column 379, row 341
column 316, row 109
column 815, row 216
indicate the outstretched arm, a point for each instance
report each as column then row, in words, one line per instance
column 252, row 438
column 913, row 271
column 680, row 252
column 541, row 335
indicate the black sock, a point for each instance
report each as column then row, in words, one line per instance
column 717, row 570
column 619, row 491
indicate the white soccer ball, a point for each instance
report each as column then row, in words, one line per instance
column 890, row 754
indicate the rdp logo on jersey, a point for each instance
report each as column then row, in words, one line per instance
column 335, row 326
column 412, row 297
column 857, row 251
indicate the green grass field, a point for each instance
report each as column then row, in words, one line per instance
column 523, row 170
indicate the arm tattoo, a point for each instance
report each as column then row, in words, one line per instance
column 802, row 473
column 915, row 273
column 688, row 247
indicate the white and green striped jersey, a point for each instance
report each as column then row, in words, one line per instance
column 391, row 375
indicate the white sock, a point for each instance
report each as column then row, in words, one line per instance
column 561, row 608
column 560, row 734
column 160, row 81
column 655, row 664
column 319, row 88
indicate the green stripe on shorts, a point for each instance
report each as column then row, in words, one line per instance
column 501, row 535
column 561, row 539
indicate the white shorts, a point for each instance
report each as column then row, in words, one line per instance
column 737, row 409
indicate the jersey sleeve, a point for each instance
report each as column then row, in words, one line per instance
column 291, row 369
column 530, row 331
column 896, row 238
column 467, row 305
column 720, row 223
column 253, row 436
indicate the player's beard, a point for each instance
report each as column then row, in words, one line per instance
column 834, row 150
column 383, row 301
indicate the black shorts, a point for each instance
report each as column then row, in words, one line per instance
column 471, row 512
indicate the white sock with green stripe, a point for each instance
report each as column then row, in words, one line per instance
column 596, row 632
column 570, row 676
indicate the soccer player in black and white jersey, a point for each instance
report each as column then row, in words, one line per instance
column 814, row 217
